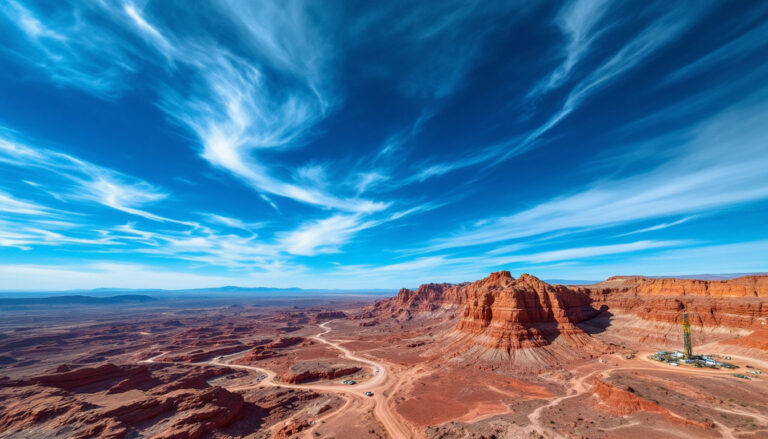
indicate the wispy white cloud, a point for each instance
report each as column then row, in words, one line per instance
column 658, row 226
column 152, row 34
column 236, row 110
column 577, row 21
column 29, row 232
column 323, row 236
column 233, row 222
column 236, row 104
column 444, row 39
column 445, row 268
column 750, row 43
column 87, row 180
column 724, row 163
column 658, row 34
column 441, row 168
column 66, row 51
column 369, row 180
column 269, row 201
column 738, row 257
column 577, row 253
column 9, row 204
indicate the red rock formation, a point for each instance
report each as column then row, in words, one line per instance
column 198, row 356
column 204, row 411
column 284, row 342
column 68, row 379
column 316, row 370
column 747, row 286
column 734, row 303
column 328, row 315
column 269, row 349
column 512, row 314
column 294, row 318
column 428, row 297
column 624, row 402
column 293, row 427
column 55, row 402
column 506, row 314
column 755, row 340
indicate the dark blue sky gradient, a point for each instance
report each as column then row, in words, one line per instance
column 354, row 144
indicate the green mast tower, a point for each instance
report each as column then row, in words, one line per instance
column 688, row 349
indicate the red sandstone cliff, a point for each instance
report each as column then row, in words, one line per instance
column 505, row 314
column 189, row 407
column 624, row 401
column 733, row 303
column 428, row 297
column 317, row 370
column 508, row 313
column 747, row 286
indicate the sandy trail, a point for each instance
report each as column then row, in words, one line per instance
column 355, row 399
column 153, row 359
column 580, row 385
column 384, row 385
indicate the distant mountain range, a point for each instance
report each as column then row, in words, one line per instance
column 76, row 300
column 124, row 294
column 224, row 291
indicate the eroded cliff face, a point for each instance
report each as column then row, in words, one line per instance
column 62, row 400
column 514, row 316
column 500, row 312
column 747, row 286
column 428, row 297
column 508, row 313
column 735, row 303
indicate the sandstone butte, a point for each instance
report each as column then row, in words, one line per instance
column 508, row 314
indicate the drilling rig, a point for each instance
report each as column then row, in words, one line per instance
column 688, row 348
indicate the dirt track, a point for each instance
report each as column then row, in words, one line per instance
column 383, row 384
column 355, row 399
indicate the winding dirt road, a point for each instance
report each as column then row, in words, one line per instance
column 383, row 384
column 354, row 395
column 581, row 385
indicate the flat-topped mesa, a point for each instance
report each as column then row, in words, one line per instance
column 502, row 312
column 746, row 286
column 733, row 303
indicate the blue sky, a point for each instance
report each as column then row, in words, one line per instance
column 379, row 144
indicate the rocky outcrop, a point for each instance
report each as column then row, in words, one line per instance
column 508, row 313
column 747, row 286
column 284, row 342
column 291, row 428
column 624, row 401
column 65, row 378
column 204, row 411
column 735, row 303
column 428, row 297
column 201, row 355
column 269, row 349
column 328, row 315
column 755, row 340
column 59, row 402
column 317, row 370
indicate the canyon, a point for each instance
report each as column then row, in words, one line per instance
column 500, row 357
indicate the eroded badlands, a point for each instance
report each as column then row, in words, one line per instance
column 501, row 357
